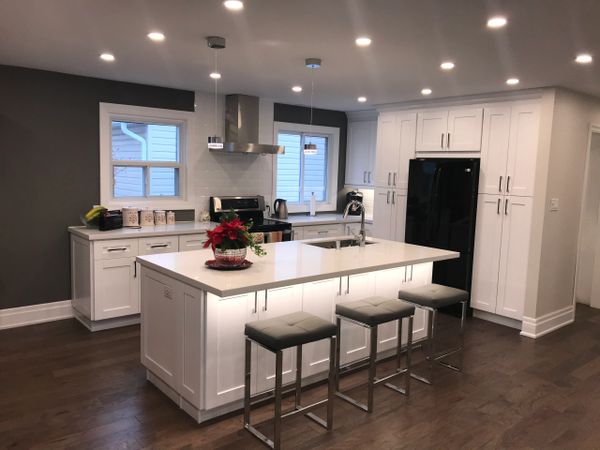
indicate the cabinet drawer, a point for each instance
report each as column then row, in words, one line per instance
column 191, row 242
column 316, row 231
column 160, row 244
column 116, row 248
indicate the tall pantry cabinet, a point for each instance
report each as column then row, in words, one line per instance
column 504, row 209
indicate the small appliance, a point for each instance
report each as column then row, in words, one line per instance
column 251, row 208
column 280, row 209
column 354, row 196
column 110, row 220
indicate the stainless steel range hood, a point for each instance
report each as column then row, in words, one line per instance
column 241, row 127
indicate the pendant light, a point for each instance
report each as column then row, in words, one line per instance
column 313, row 64
column 216, row 43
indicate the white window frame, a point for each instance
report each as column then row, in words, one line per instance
column 333, row 153
column 110, row 112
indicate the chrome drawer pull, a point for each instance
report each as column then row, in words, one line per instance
column 117, row 249
column 159, row 245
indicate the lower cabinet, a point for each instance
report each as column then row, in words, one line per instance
column 116, row 288
column 389, row 214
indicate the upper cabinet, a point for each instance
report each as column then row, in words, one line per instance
column 360, row 153
column 454, row 130
column 395, row 147
column 509, row 149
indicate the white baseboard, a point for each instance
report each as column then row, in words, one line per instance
column 30, row 315
column 495, row 318
column 535, row 327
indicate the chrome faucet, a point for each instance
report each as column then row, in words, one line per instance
column 362, row 234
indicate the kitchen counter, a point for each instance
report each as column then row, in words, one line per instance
column 289, row 263
column 301, row 220
column 94, row 234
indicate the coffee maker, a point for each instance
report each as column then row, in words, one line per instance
column 354, row 195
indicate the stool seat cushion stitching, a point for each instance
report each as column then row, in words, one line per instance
column 433, row 295
column 375, row 310
column 289, row 330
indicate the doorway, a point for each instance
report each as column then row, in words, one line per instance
column 587, row 285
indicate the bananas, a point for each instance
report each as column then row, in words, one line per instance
column 94, row 213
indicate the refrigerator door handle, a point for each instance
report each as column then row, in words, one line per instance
column 506, row 207
column 500, row 184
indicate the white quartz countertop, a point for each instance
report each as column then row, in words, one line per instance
column 288, row 263
column 94, row 234
column 320, row 219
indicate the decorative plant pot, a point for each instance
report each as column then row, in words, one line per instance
column 230, row 257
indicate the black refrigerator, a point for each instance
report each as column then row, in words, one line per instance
column 441, row 211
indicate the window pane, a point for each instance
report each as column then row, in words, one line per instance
column 128, row 181
column 289, row 167
column 164, row 181
column 133, row 141
column 315, row 169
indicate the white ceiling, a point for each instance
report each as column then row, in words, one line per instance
column 268, row 41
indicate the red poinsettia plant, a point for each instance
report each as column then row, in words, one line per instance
column 231, row 233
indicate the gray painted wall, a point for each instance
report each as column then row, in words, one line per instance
column 49, row 171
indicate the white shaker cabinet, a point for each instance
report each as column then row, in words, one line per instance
column 494, row 149
column 360, row 153
column 432, row 127
column 454, row 130
column 116, row 288
column 389, row 214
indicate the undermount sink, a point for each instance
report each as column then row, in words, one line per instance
column 338, row 243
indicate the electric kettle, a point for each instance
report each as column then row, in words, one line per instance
column 280, row 208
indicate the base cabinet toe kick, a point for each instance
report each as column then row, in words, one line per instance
column 192, row 341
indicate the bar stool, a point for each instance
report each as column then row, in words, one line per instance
column 430, row 298
column 276, row 335
column 370, row 313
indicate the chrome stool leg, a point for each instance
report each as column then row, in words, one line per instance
column 372, row 368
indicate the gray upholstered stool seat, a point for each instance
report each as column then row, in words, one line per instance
column 434, row 295
column 289, row 330
column 375, row 310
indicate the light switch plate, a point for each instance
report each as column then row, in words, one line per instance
column 554, row 204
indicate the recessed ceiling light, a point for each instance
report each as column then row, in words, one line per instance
column 156, row 36
column 447, row 65
column 297, row 88
column 512, row 81
column 584, row 58
column 363, row 41
column 109, row 57
column 496, row 22
column 215, row 75
column 426, row 91
column 233, row 5
column 362, row 99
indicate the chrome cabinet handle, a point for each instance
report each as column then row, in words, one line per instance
column 369, row 178
column 134, row 269
column 500, row 184
column 348, row 284
column 448, row 143
column 365, row 176
column 405, row 272
column 159, row 245
column 255, row 310
column 393, row 197
column 498, row 207
column 340, row 287
column 266, row 301
column 394, row 182
column 389, row 178
column 387, row 197
column 508, row 184
column 411, row 272
column 116, row 249
column 506, row 208
column 442, row 141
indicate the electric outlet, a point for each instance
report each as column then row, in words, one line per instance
column 554, row 204
column 168, row 293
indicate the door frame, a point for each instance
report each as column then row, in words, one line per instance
column 593, row 128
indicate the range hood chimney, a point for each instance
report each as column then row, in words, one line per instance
column 241, row 127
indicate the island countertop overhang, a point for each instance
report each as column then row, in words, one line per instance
column 288, row 263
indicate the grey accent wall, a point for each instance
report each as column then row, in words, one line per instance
column 322, row 117
column 49, row 171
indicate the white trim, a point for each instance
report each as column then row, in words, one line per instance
column 30, row 315
column 535, row 327
column 332, row 163
column 110, row 111
column 497, row 319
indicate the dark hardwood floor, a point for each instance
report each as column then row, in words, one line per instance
column 63, row 387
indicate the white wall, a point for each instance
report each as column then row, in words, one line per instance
column 214, row 173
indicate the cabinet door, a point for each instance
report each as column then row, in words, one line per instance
column 494, row 150
column 431, row 131
column 274, row 303
column 355, row 339
column 298, row 233
column 486, row 258
column 514, row 257
column 522, row 151
column 225, row 347
column 382, row 213
column 464, row 130
column 386, row 153
column 406, row 125
column 359, row 154
column 116, row 291
column 399, row 202
column 318, row 298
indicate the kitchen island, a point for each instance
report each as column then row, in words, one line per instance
column 193, row 318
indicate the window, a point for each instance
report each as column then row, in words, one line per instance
column 143, row 154
column 299, row 174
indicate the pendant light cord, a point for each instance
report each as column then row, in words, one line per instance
column 216, row 93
